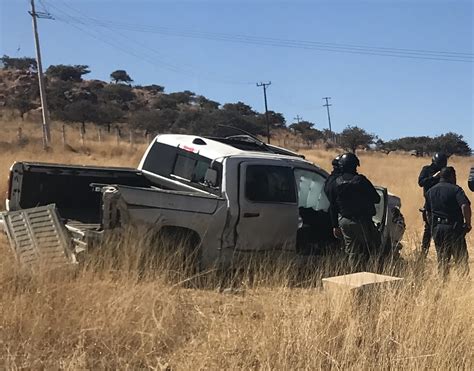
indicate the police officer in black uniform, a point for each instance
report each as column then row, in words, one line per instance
column 429, row 176
column 450, row 217
column 336, row 171
column 353, row 199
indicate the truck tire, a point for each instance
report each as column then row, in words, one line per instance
column 183, row 245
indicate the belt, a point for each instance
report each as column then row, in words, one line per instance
column 359, row 218
column 440, row 220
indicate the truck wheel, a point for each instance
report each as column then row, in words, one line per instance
column 183, row 249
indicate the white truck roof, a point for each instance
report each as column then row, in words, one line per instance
column 216, row 150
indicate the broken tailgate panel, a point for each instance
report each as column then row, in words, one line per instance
column 37, row 236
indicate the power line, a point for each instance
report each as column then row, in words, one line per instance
column 145, row 28
column 87, row 25
column 290, row 43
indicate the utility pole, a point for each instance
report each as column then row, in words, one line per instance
column 327, row 105
column 44, row 104
column 264, row 85
column 298, row 118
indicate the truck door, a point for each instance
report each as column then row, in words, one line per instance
column 380, row 217
column 389, row 220
column 268, row 217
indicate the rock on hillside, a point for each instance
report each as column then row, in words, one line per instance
column 15, row 83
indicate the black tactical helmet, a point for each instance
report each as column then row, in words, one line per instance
column 335, row 162
column 349, row 162
column 440, row 160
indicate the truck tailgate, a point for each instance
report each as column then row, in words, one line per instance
column 37, row 236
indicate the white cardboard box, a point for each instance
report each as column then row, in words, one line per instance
column 360, row 280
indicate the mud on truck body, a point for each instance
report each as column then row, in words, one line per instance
column 233, row 196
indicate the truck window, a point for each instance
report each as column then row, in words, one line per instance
column 310, row 190
column 160, row 159
column 270, row 184
column 169, row 162
column 191, row 167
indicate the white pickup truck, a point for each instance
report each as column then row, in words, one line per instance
column 231, row 196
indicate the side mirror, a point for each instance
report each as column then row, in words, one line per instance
column 211, row 177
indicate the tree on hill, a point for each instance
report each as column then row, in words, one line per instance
column 154, row 120
column 451, row 143
column 56, row 92
column 164, row 101
column 108, row 113
column 301, row 126
column 118, row 93
column 120, row 76
column 86, row 111
column 67, row 72
column 240, row 108
column 307, row 131
column 421, row 144
column 21, row 103
column 353, row 137
column 24, row 63
column 276, row 119
column 153, row 88
column 182, row 97
column 207, row 104
column 218, row 119
column 81, row 111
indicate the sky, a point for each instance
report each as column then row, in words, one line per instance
column 191, row 45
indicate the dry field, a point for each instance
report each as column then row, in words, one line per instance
column 111, row 314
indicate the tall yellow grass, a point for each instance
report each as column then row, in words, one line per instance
column 116, row 312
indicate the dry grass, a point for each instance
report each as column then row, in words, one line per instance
column 113, row 313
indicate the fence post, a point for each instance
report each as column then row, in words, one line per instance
column 63, row 135
column 20, row 135
column 131, row 137
column 82, row 132
column 118, row 136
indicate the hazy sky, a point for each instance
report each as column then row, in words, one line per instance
column 192, row 45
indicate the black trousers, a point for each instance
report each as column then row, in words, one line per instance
column 426, row 240
column 362, row 243
column 450, row 244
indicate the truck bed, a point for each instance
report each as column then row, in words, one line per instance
column 69, row 187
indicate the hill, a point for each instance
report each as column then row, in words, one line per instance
column 73, row 99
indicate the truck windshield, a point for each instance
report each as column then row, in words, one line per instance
column 174, row 162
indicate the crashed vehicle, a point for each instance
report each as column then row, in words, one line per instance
column 232, row 197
